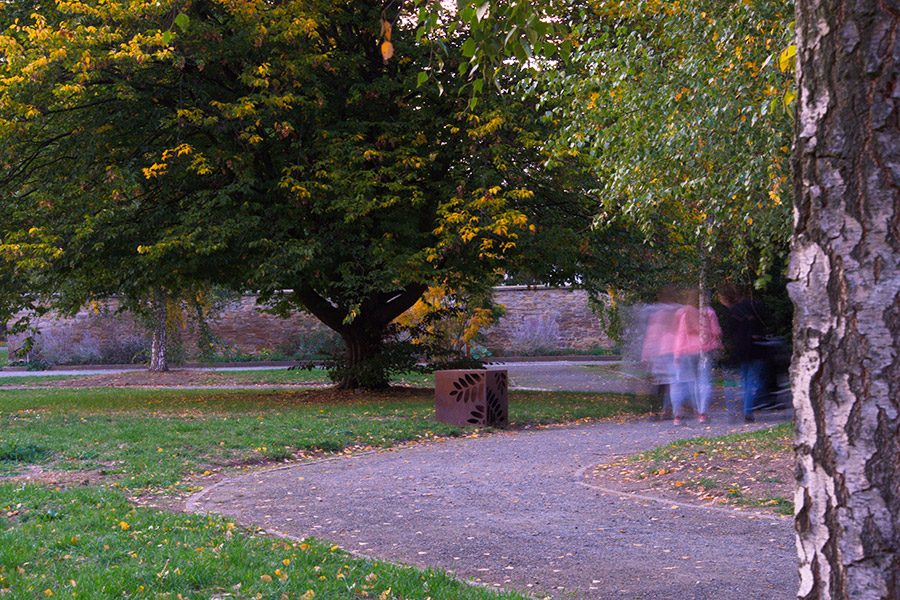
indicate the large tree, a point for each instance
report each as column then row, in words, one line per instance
column 846, row 287
column 270, row 146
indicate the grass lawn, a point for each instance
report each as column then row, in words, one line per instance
column 91, row 540
column 225, row 378
column 4, row 356
column 19, row 380
column 93, row 543
column 753, row 469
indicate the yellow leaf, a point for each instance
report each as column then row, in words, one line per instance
column 786, row 59
column 155, row 170
column 124, row 526
column 387, row 50
column 789, row 97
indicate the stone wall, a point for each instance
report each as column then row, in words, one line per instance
column 101, row 334
column 540, row 320
column 536, row 320
column 242, row 325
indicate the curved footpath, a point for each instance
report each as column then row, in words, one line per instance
column 515, row 510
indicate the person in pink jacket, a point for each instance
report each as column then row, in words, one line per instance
column 697, row 334
column 656, row 351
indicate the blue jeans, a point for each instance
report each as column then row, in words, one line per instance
column 684, row 388
column 752, row 380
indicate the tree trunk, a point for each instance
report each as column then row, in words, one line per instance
column 363, row 349
column 702, row 304
column 846, row 289
column 364, row 334
column 158, row 357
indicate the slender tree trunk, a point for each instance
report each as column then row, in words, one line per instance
column 846, row 289
column 705, row 366
column 703, row 303
column 158, row 357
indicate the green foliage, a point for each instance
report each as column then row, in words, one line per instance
column 264, row 146
column 21, row 454
column 492, row 32
column 609, row 310
column 447, row 327
column 679, row 107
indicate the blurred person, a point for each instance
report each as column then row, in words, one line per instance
column 710, row 346
column 656, row 352
column 746, row 330
column 697, row 334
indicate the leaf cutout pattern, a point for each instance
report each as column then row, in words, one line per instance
column 494, row 414
column 466, row 388
column 500, row 380
column 478, row 415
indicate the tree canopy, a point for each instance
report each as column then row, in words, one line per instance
column 267, row 146
column 684, row 109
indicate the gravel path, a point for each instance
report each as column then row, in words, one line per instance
column 573, row 376
column 515, row 510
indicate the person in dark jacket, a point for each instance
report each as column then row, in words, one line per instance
column 745, row 329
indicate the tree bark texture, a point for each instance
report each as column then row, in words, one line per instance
column 362, row 347
column 846, row 290
column 159, row 361
column 363, row 335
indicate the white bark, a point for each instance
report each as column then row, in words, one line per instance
column 846, row 289
column 159, row 361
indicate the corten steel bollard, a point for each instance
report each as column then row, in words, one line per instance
column 471, row 397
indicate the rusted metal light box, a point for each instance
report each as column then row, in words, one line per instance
column 472, row 397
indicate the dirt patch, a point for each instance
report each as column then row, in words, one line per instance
column 749, row 474
column 54, row 478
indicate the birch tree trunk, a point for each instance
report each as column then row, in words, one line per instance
column 846, row 289
column 159, row 360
